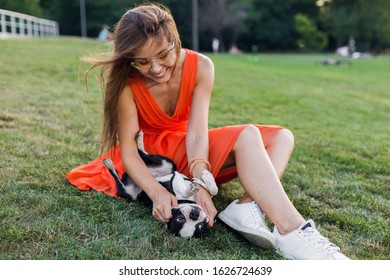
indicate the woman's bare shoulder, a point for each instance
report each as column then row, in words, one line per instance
column 205, row 67
column 126, row 93
column 126, row 99
column 205, row 61
column 126, row 105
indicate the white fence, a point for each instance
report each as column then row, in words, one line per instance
column 17, row 25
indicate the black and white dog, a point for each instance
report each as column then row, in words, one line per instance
column 189, row 219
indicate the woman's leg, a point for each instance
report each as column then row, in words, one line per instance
column 279, row 144
column 260, row 160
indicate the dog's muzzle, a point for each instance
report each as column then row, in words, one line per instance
column 194, row 214
column 189, row 220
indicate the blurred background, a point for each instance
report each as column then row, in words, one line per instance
column 248, row 25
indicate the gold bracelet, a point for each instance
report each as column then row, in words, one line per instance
column 195, row 161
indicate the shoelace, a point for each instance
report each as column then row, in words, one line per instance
column 321, row 242
column 259, row 215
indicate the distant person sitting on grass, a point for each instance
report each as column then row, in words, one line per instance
column 234, row 50
column 155, row 85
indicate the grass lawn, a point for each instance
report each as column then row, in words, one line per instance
column 339, row 173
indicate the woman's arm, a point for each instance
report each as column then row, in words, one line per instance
column 163, row 201
column 197, row 142
column 197, row 132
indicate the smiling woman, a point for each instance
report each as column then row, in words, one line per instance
column 164, row 57
column 155, row 86
column 159, row 68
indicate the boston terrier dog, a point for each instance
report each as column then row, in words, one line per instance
column 189, row 219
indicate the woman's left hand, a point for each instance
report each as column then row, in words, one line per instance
column 203, row 198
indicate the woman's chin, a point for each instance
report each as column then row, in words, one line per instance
column 162, row 77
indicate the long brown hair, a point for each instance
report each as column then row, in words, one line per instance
column 131, row 32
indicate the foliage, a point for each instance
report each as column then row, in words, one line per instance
column 264, row 25
column 182, row 12
column 29, row 7
column 271, row 25
column 367, row 20
column 338, row 174
column 310, row 39
column 98, row 13
column 223, row 16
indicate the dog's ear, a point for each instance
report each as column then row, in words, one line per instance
column 175, row 211
column 171, row 223
column 200, row 229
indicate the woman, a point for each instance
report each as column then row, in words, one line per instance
column 155, row 85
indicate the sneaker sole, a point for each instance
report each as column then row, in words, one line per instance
column 265, row 240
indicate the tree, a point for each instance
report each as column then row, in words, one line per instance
column 310, row 38
column 271, row 25
column 182, row 13
column 266, row 25
column 219, row 16
column 367, row 20
column 100, row 12
column 67, row 14
column 383, row 26
column 29, row 7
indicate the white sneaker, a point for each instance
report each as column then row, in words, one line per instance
column 248, row 220
column 307, row 243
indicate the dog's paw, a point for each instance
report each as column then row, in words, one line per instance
column 140, row 134
column 209, row 181
column 193, row 189
column 107, row 162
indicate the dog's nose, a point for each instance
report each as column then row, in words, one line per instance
column 194, row 214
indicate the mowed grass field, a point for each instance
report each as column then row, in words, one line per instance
column 339, row 173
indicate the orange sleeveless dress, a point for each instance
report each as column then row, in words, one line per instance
column 164, row 135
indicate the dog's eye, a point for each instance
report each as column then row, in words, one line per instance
column 199, row 232
column 180, row 219
column 200, row 227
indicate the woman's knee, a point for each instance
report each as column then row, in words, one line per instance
column 278, row 138
column 249, row 136
column 286, row 137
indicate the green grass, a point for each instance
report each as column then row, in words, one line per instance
column 339, row 173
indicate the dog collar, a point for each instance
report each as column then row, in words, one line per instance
column 181, row 201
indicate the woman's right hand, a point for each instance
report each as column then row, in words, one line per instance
column 163, row 202
column 203, row 198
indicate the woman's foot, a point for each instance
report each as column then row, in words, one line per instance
column 307, row 243
column 248, row 220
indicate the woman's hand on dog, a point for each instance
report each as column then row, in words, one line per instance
column 163, row 202
column 203, row 198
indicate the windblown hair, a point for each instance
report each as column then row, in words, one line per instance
column 131, row 32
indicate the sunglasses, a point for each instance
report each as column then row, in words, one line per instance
column 146, row 63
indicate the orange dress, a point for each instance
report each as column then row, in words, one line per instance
column 164, row 135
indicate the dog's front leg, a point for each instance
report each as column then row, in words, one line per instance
column 139, row 138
